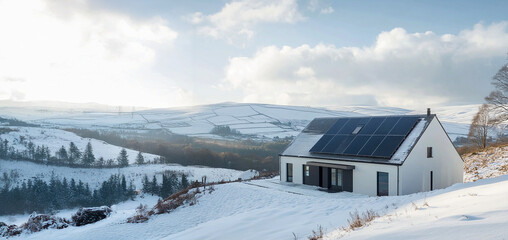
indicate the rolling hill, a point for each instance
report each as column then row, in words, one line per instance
column 259, row 121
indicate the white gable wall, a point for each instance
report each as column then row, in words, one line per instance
column 364, row 174
column 446, row 164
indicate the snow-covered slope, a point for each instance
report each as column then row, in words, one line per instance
column 258, row 120
column 268, row 209
column 56, row 138
column 466, row 211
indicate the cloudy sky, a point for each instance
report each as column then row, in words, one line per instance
column 154, row 53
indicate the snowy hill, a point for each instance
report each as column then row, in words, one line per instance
column 267, row 209
column 56, row 138
column 256, row 120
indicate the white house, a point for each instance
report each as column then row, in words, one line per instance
column 376, row 156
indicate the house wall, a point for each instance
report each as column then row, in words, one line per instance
column 446, row 164
column 364, row 174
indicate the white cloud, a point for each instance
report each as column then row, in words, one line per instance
column 238, row 18
column 327, row 10
column 68, row 51
column 195, row 18
column 315, row 5
column 401, row 69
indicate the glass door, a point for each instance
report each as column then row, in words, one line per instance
column 336, row 179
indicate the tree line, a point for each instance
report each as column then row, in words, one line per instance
column 240, row 155
column 70, row 156
column 45, row 197
column 170, row 184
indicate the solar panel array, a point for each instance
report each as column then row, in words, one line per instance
column 378, row 137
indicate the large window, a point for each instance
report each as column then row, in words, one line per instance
column 289, row 171
column 382, row 184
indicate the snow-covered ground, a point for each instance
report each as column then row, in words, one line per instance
column 476, row 210
column 258, row 120
column 54, row 139
column 121, row 210
column 268, row 209
column 94, row 177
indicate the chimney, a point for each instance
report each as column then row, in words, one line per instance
column 428, row 112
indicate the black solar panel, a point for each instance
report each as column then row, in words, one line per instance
column 388, row 146
column 387, row 125
column 371, row 145
column 372, row 125
column 369, row 137
column 318, row 147
column 334, row 143
column 320, row 125
column 356, row 145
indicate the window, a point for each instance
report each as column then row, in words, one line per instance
column 289, row 168
column 431, row 181
column 307, row 171
column 334, row 177
column 382, row 184
column 357, row 129
column 429, row 152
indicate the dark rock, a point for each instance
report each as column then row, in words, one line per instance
column 86, row 216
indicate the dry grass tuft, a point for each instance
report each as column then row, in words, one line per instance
column 316, row 235
column 359, row 220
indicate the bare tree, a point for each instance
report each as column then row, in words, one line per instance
column 481, row 125
column 498, row 99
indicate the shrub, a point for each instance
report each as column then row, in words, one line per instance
column 356, row 220
column 38, row 222
column 9, row 230
column 317, row 234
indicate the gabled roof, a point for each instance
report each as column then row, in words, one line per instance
column 312, row 142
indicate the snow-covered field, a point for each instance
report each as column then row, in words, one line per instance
column 268, row 209
column 54, row 139
column 258, row 120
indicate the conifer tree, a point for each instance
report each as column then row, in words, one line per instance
column 74, row 153
column 146, row 184
column 184, row 182
column 88, row 157
column 62, row 154
column 101, row 162
column 154, row 188
column 140, row 159
column 123, row 158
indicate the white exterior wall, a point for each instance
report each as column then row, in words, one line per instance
column 364, row 174
column 446, row 164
